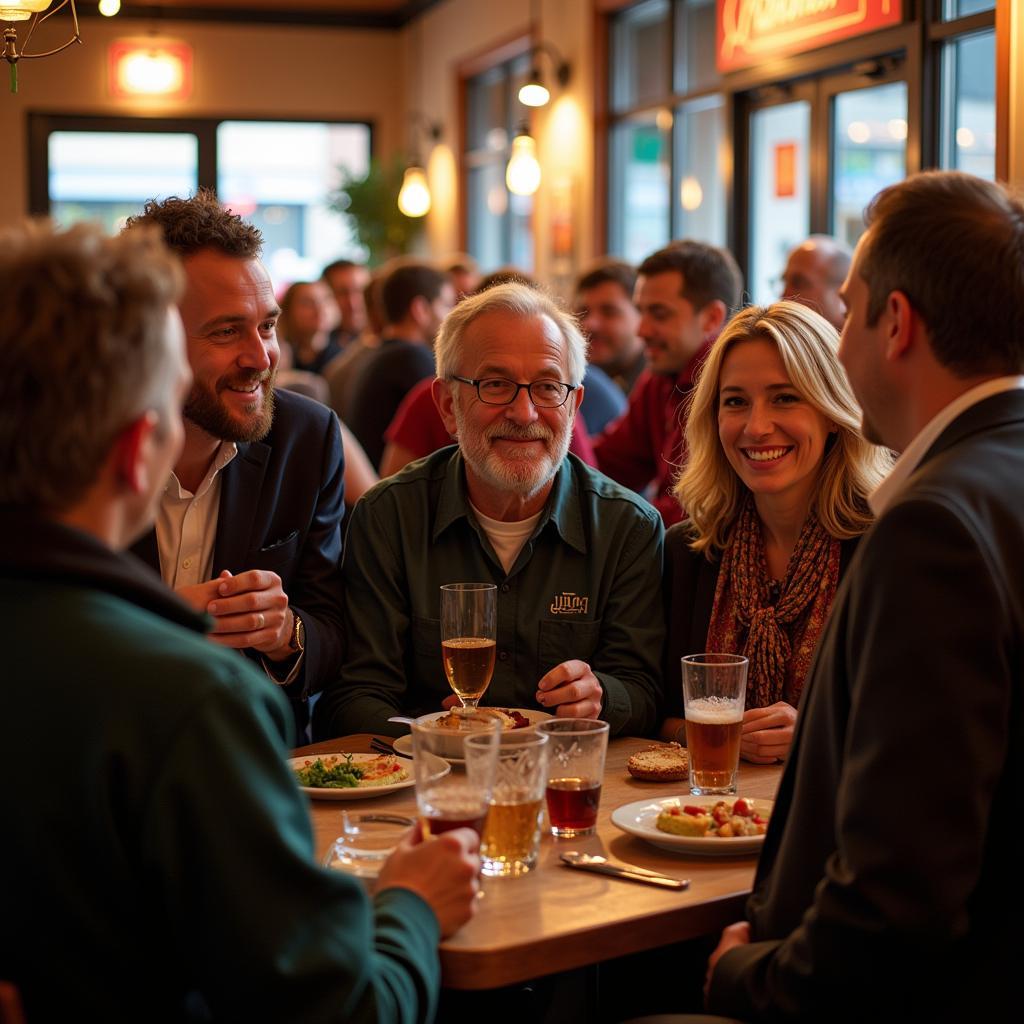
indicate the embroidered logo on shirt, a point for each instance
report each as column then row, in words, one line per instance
column 568, row 603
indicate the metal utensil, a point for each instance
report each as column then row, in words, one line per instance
column 383, row 747
column 602, row 866
column 402, row 720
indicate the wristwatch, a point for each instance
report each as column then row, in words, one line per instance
column 297, row 641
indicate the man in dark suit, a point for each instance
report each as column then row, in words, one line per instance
column 248, row 527
column 889, row 884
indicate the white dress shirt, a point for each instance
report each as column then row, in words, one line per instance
column 882, row 496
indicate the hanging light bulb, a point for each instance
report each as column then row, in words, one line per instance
column 534, row 93
column 522, row 176
column 414, row 196
column 21, row 10
column 108, row 8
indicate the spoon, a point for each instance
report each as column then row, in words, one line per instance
column 601, row 865
column 403, row 720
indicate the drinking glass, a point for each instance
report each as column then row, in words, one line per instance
column 714, row 689
column 448, row 799
column 468, row 618
column 575, row 774
column 511, row 840
column 366, row 842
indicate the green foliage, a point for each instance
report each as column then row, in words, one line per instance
column 372, row 203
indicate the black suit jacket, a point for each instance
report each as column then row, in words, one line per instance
column 889, row 884
column 281, row 506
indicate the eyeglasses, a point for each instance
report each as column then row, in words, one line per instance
column 545, row 394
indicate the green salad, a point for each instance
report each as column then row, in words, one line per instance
column 332, row 773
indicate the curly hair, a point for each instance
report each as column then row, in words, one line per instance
column 201, row 223
column 709, row 489
column 83, row 352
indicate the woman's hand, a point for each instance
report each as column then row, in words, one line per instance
column 767, row 733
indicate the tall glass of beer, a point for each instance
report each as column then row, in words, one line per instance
column 511, row 841
column 468, row 622
column 714, row 689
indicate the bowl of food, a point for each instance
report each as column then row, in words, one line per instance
column 452, row 727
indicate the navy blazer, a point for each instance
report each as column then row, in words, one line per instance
column 281, row 507
column 889, row 882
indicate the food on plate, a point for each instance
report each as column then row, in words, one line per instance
column 723, row 821
column 664, row 762
column 509, row 719
column 339, row 772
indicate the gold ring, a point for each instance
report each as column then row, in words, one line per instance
column 260, row 621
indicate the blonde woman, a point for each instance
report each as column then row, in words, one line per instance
column 775, row 489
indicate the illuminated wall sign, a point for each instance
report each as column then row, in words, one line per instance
column 154, row 67
column 750, row 31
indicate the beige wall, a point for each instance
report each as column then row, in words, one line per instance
column 248, row 71
column 456, row 31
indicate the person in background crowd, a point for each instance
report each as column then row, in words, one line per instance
column 684, row 293
column 308, row 311
column 347, row 281
column 776, row 488
column 815, row 271
column 464, row 274
column 342, row 372
column 883, row 903
column 416, row 299
column 176, row 849
column 575, row 557
column 248, row 528
column 609, row 320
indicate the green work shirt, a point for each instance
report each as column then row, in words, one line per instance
column 586, row 585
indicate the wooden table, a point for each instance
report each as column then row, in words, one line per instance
column 556, row 919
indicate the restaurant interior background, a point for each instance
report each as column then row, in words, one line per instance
column 749, row 123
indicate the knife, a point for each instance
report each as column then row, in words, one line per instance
column 603, row 867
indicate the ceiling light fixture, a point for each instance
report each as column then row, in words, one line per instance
column 522, row 176
column 22, row 10
column 414, row 196
column 534, row 93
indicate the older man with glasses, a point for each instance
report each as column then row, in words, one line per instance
column 576, row 558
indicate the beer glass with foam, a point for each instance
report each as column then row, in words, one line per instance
column 714, row 690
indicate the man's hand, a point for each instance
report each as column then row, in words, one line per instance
column 767, row 733
column 444, row 870
column 735, row 935
column 249, row 610
column 572, row 690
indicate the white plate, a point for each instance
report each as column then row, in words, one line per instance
column 358, row 792
column 403, row 745
column 638, row 819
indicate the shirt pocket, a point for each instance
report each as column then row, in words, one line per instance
column 278, row 556
column 559, row 641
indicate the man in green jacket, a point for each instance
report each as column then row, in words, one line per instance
column 158, row 858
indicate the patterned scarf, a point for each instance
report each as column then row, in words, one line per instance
column 776, row 626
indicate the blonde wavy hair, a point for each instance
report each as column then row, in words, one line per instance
column 708, row 487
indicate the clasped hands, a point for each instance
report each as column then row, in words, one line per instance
column 248, row 610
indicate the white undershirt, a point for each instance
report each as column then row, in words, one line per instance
column 507, row 539
column 881, row 497
column 186, row 524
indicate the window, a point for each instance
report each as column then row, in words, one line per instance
column 499, row 230
column 276, row 173
column 667, row 150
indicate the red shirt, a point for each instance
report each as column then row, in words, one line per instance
column 644, row 448
column 418, row 427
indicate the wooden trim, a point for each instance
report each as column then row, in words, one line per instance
column 494, row 54
column 1004, row 45
column 602, row 85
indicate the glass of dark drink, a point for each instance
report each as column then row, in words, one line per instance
column 575, row 774
column 714, row 692
column 446, row 799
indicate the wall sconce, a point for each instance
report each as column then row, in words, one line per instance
column 149, row 67
column 414, row 195
column 522, row 176
column 22, row 10
column 535, row 93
